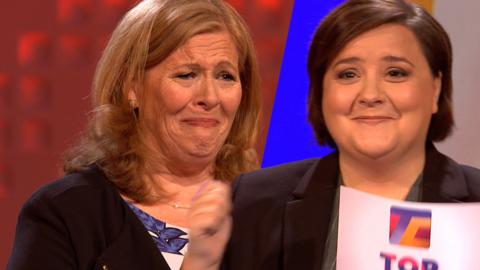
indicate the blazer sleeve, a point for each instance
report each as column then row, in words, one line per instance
column 42, row 240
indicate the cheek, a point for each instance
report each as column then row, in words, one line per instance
column 162, row 102
column 231, row 100
column 412, row 97
column 337, row 99
column 170, row 98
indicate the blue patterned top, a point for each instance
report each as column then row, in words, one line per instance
column 167, row 239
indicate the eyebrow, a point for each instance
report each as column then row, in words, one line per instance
column 388, row 58
column 393, row 58
column 197, row 66
column 348, row 60
column 227, row 63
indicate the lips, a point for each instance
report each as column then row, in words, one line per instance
column 201, row 122
column 372, row 119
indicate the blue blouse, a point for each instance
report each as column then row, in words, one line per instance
column 167, row 239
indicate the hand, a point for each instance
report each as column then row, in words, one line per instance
column 210, row 225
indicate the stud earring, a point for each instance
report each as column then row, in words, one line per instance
column 133, row 103
column 134, row 106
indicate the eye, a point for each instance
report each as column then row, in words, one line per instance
column 397, row 74
column 226, row 76
column 186, row 76
column 347, row 75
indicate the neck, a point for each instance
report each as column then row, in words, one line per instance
column 391, row 178
column 177, row 186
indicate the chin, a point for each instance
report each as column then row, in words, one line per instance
column 201, row 154
column 374, row 155
column 202, row 150
column 375, row 149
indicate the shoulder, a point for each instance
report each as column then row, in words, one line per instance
column 86, row 194
column 471, row 173
column 82, row 208
column 275, row 183
column 260, row 199
column 458, row 181
column 472, row 178
column 79, row 222
column 85, row 183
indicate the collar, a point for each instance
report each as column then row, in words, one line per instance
column 444, row 180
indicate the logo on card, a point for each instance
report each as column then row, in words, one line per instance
column 410, row 227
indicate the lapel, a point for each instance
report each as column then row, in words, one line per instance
column 443, row 178
column 132, row 249
column 307, row 215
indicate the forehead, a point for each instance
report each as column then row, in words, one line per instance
column 385, row 40
column 206, row 47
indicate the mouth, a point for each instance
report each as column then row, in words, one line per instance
column 201, row 122
column 372, row 120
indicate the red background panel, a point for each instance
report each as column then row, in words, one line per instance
column 48, row 54
column 33, row 93
column 5, row 90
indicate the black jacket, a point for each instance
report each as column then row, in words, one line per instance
column 81, row 222
column 282, row 214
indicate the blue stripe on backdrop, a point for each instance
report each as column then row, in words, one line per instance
column 290, row 136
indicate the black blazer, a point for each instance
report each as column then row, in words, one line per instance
column 81, row 222
column 282, row 214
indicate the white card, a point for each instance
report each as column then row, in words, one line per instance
column 423, row 236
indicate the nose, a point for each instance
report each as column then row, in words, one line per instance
column 207, row 96
column 371, row 94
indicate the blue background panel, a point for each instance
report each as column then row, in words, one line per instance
column 290, row 136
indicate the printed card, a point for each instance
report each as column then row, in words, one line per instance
column 378, row 233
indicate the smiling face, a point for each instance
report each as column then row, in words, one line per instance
column 379, row 95
column 191, row 99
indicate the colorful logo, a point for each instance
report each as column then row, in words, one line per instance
column 410, row 227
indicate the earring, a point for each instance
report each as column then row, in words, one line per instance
column 133, row 103
column 134, row 106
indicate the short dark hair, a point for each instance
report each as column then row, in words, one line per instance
column 356, row 17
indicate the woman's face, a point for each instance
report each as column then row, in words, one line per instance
column 191, row 98
column 379, row 95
